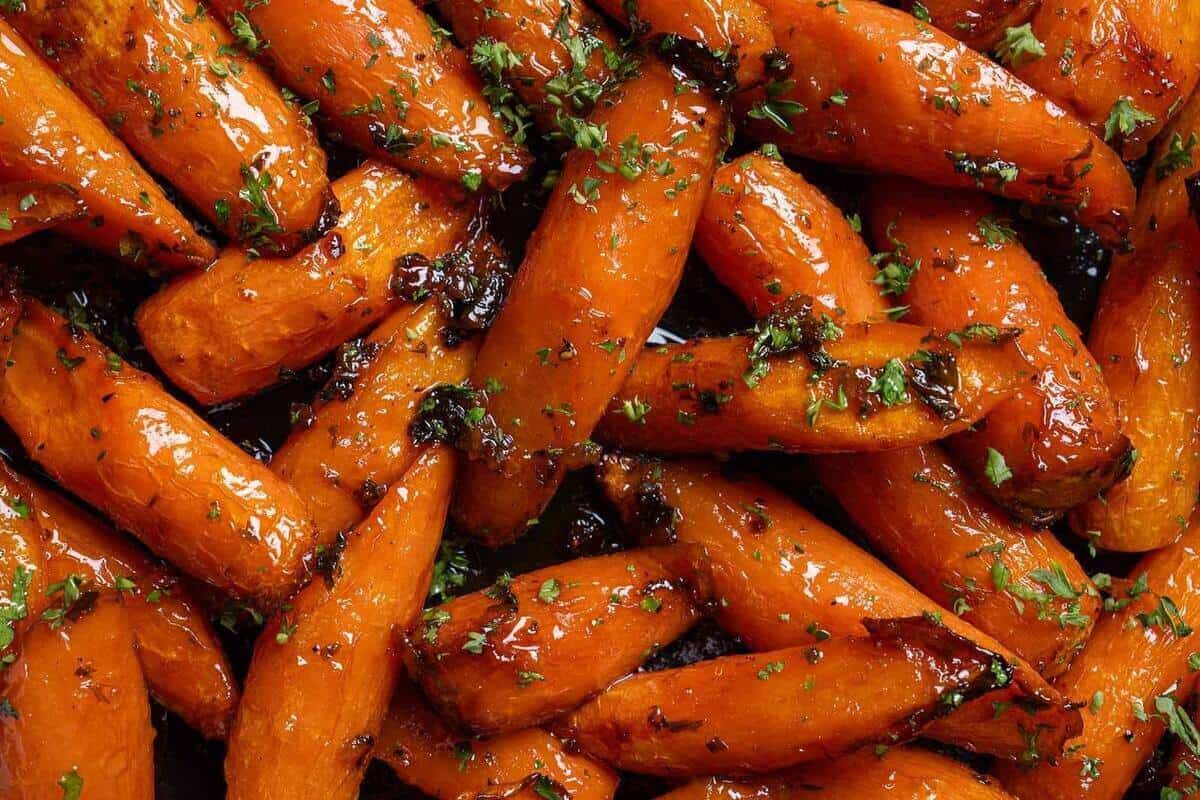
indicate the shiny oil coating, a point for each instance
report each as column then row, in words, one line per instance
column 184, row 665
column 1060, row 436
column 699, row 401
column 1100, row 51
column 781, row 578
column 172, row 84
column 20, row 558
column 329, row 661
column 228, row 331
column 424, row 753
column 387, row 84
column 979, row 24
column 815, row 702
column 118, row 440
column 358, row 446
column 1125, row 660
column 610, row 612
column 629, row 240
column 81, row 711
column 903, row 81
column 55, row 204
column 50, row 136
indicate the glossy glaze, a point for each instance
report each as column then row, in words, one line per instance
column 678, row 383
column 1125, row 660
column 228, row 331
column 903, row 80
column 113, row 436
column 781, row 578
column 22, row 570
column 979, row 24
column 768, row 711
column 50, row 136
column 81, row 710
column 54, row 204
column 1060, row 436
column 314, row 701
column 375, row 64
column 629, row 242
column 611, row 612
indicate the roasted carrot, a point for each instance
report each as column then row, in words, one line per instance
column 735, row 33
column 885, row 92
column 768, row 711
column 1120, row 66
column 231, row 330
column 76, row 721
column 767, row 234
column 323, row 669
column 898, row 773
column 27, row 207
column 1164, row 203
column 509, row 656
column 387, row 81
column 22, row 573
column 924, row 516
column 524, row 765
column 50, row 136
column 1183, row 770
column 184, row 666
column 112, row 435
column 569, row 326
column 781, row 578
column 979, row 24
column 1057, row 442
column 1133, row 675
column 869, row 387
column 171, row 84
column 357, row 441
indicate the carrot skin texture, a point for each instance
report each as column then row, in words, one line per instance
column 738, row 27
column 1100, row 51
column 538, row 630
column 567, row 326
column 55, row 204
column 815, row 702
column 314, row 702
column 766, row 234
column 979, row 24
column 81, row 706
column 1124, row 660
column 1060, row 436
column 387, row 84
column 357, row 446
column 424, row 752
column 891, row 121
column 679, row 383
column 113, row 436
column 228, row 331
column 50, row 136
column 781, row 578
column 176, row 89
column 183, row 663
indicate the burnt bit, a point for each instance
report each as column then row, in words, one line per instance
column 655, row 518
column 777, row 64
column 370, row 493
column 933, row 376
column 659, row 722
column 791, row 328
column 457, row 415
column 350, row 361
column 717, row 71
column 327, row 559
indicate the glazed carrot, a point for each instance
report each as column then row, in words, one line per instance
column 27, row 207
column 184, row 666
column 22, row 576
column 781, row 578
column 890, row 385
column 1054, row 444
column 113, row 436
column 229, row 331
column 386, row 82
column 925, row 517
column 509, row 657
column 50, row 136
column 323, row 669
column 170, row 82
column 1183, row 770
column 1120, row 66
column 736, row 32
column 767, row 233
column 1163, row 203
column 899, row 773
column 524, row 765
column 768, row 711
column 979, row 24
column 570, row 325
column 77, row 723
column 1132, row 674
column 357, row 442
column 909, row 99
